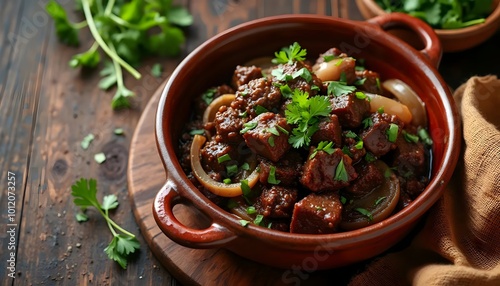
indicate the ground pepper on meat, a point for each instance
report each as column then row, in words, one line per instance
column 312, row 148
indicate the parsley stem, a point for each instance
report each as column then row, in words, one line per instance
column 79, row 25
column 118, row 69
column 112, row 225
column 109, row 6
column 102, row 43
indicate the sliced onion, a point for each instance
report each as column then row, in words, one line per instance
column 390, row 106
column 332, row 70
column 209, row 114
column 380, row 203
column 406, row 95
column 218, row 188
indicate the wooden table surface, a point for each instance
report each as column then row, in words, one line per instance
column 47, row 108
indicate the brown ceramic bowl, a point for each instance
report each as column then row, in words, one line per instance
column 213, row 63
column 452, row 40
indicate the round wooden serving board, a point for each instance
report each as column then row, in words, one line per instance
column 198, row 266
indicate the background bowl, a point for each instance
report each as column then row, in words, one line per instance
column 452, row 40
column 213, row 63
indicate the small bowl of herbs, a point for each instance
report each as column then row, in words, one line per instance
column 459, row 24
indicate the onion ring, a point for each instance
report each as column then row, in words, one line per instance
column 217, row 188
column 406, row 95
column 209, row 114
column 390, row 106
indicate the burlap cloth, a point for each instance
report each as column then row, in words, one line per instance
column 459, row 243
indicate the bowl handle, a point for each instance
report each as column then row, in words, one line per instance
column 432, row 49
column 213, row 236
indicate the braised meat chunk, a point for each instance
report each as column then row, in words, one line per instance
column 326, row 172
column 287, row 170
column 350, row 110
column 228, row 125
column 243, row 75
column 317, row 214
column 265, row 135
column 276, row 202
column 380, row 138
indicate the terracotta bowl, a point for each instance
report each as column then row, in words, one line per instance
column 452, row 40
column 213, row 63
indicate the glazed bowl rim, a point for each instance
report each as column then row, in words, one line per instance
column 408, row 215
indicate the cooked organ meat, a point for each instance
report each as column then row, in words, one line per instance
column 299, row 145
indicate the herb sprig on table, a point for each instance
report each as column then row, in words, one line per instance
column 123, row 243
column 125, row 31
column 450, row 14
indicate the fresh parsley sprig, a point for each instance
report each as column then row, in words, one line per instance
column 305, row 111
column 290, row 54
column 125, row 32
column 123, row 243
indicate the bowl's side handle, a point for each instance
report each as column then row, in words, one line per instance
column 211, row 237
column 432, row 50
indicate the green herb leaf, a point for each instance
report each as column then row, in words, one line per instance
column 248, row 126
column 86, row 141
column 323, row 146
column 81, row 217
column 379, row 200
column 410, row 138
column 244, row 223
column 118, row 131
column 231, row 170
column 424, row 136
column 66, row 32
column 90, row 59
column 109, row 202
column 251, row 210
column 258, row 219
column 341, row 172
column 100, row 158
column 156, row 70
column 227, row 181
column 260, row 109
column 223, row 158
column 337, row 88
column 288, row 55
column 122, row 98
column 208, row 95
column 271, row 178
column 365, row 212
column 392, row 132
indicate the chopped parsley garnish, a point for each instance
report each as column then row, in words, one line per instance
column 231, row 170
column 343, row 200
column 361, row 95
column 379, row 200
column 359, row 145
column 208, row 95
column 424, row 135
column 244, row 222
column 392, row 132
column 86, row 141
column 338, row 88
column 286, row 91
column 360, row 81
column 328, row 58
column 280, row 75
column 271, row 178
column 251, row 210
column 315, row 87
column 339, row 62
column 410, row 138
column 223, row 158
column 270, row 140
column 303, row 73
column 246, row 191
column 245, row 166
column 197, row 132
column 346, row 151
column 323, row 146
column 283, row 130
column 380, row 110
column 248, row 126
column 273, row 130
column 259, row 109
column 350, row 134
column 365, row 212
column 304, row 111
column 290, row 54
column 367, row 122
column 227, row 181
column 258, row 219
column 369, row 157
column 341, row 172
column 243, row 114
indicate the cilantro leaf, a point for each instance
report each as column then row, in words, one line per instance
column 341, row 172
column 65, row 30
column 338, row 88
column 121, row 98
column 156, row 70
column 90, row 58
column 288, row 55
column 180, row 16
column 123, row 243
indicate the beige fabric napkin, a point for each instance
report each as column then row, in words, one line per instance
column 460, row 241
